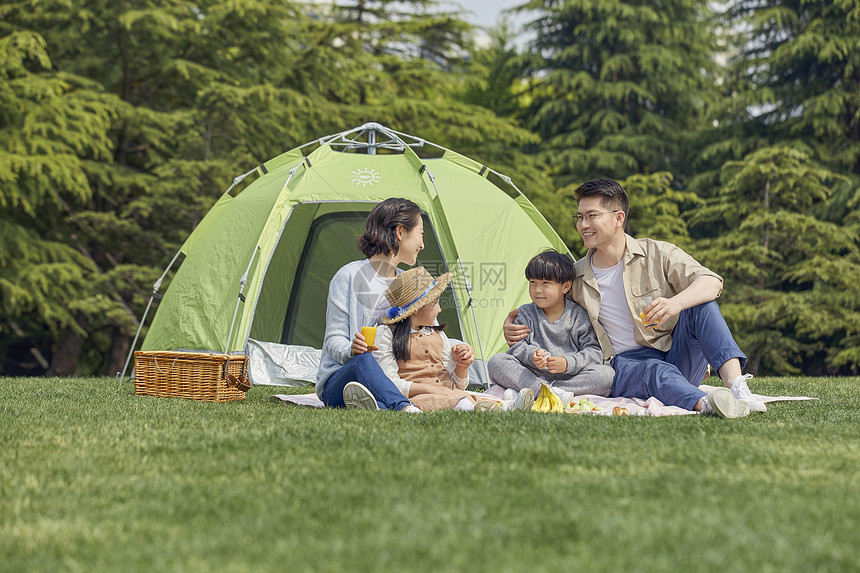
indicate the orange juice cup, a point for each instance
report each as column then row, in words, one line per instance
column 642, row 316
column 369, row 334
column 643, row 304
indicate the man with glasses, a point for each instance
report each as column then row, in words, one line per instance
column 652, row 307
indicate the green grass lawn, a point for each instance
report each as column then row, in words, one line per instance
column 93, row 478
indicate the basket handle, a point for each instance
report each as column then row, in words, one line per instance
column 162, row 372
column 241, row 381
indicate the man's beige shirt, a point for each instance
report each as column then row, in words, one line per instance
column 651, row 268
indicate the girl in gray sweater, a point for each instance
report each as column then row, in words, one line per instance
column 562, row 349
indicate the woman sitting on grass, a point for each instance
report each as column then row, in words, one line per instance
column 348, row 376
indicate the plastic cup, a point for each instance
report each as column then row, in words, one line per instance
column 643, row 304
column 369, row 334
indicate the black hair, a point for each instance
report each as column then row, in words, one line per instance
column 550, row 265
column 611, row 193
column 380, row 228
column 400, row 332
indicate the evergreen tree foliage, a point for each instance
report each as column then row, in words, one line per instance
column 793, row 78
column 790, row 101
column 804, row 60
column 193, row 94
column 54, row 131
column 618, row 86
column 791, row 296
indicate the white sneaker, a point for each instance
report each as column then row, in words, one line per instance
column 413, row 409
column 523, row 401
column 721, row 402
column 487, row 406
column 742, row 392
column 357, row 397
column 510, row 395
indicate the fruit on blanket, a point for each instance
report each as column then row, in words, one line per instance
column 620, row 411
column 547, row 401
column 584, row 405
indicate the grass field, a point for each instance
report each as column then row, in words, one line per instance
column 93, row 478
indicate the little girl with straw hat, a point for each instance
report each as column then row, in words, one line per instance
column 414, row 351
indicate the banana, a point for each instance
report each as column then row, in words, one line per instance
column 540, row 403
column 548, row 394
column 547, row 401
column 555, row 401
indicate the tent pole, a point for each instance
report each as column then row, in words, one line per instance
column 238, row 179
column 240, row 299
column 485, row 370
column 247, row 334
column 155, row 288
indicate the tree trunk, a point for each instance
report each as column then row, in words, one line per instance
column 766, row 241
column 65, row 360
column 119, row 345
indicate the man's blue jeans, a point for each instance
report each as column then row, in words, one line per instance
column 701, row 337
column 363, row 368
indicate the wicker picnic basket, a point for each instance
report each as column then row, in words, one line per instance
column 194, row 375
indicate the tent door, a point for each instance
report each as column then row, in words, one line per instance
column 330, row 244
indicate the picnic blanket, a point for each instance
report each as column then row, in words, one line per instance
column 636, row 406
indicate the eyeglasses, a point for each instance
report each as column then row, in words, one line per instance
column 591, row 217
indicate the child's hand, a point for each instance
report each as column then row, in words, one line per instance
column 463, row 355
column 539, row 358
column 556, row 364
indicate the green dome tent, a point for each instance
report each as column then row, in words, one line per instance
column 257, row 267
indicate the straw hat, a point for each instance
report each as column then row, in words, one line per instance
column 410, row 291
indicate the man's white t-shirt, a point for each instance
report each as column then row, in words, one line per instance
column 614, row 313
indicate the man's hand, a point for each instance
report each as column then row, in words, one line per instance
column 556, row 364
column 662, row 309
column 539, row 358
column 514, row 332
column 704, row 289
column 463, row 355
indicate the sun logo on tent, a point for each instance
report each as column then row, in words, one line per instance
column 365, row 177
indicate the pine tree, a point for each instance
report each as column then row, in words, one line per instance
column 803, row 59
column 793, row 77
column 790, row 99
column 618, row 86
column 53, row 129
column 791, row 296
column 190, row 112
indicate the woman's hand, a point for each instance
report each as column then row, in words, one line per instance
column 514, row 332
column 359, row 345
column 463, row 355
